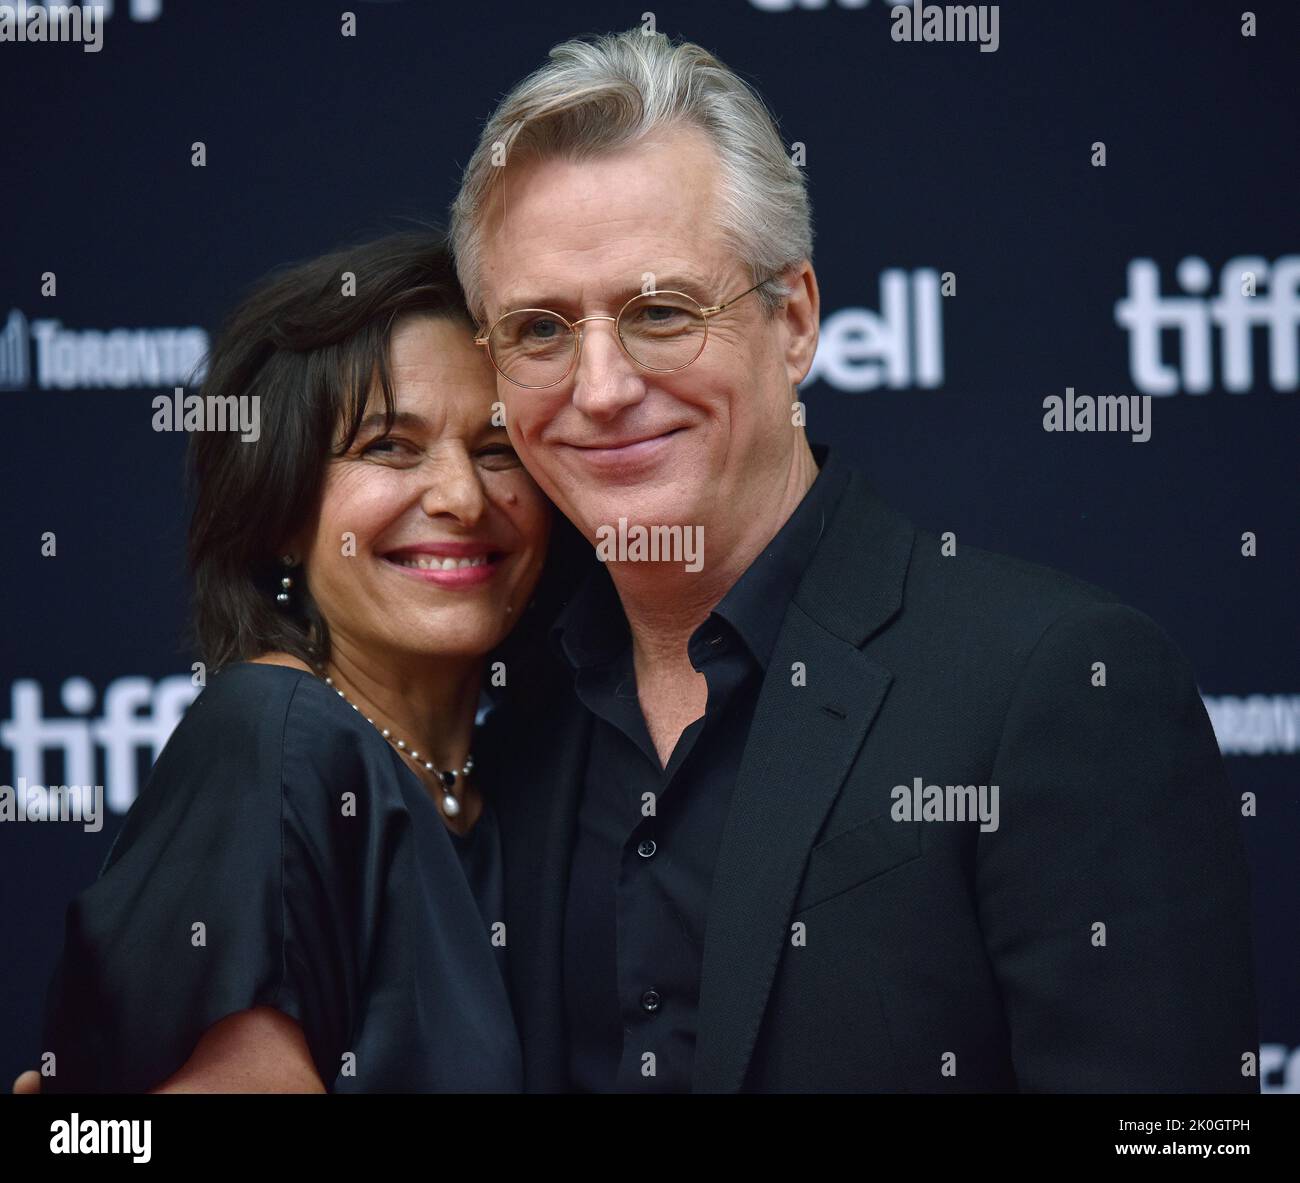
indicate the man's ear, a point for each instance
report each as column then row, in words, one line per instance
column 801, row 318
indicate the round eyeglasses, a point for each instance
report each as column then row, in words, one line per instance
column 659, row 331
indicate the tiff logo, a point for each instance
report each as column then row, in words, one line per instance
column 137, row 713
column 1252, row 294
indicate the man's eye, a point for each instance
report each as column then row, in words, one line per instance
column 543, row 328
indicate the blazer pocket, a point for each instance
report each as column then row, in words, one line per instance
column 856, row 855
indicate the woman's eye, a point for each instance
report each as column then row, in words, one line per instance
column 384, row 446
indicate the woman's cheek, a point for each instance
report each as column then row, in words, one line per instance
column 364, row 504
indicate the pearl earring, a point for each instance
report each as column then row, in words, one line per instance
column 282, row 596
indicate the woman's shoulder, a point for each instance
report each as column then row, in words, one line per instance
column 278, row 732
column 265, row 746
column 257, row 701
column 246, row 731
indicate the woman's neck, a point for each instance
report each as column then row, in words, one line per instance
column 429, row 703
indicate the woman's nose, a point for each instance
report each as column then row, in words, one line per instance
column 454, row 487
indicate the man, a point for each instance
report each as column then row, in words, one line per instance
column 834, row 808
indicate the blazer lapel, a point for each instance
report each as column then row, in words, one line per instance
column 802, row 742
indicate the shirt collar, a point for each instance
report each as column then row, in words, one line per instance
column 592, row 628
column 756, row 603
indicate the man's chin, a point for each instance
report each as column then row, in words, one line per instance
column 668, row 507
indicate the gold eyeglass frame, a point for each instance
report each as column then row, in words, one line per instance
column 572, row 325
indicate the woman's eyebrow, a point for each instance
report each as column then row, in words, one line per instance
column 401, row 419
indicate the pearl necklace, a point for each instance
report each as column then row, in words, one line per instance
column 448, row 779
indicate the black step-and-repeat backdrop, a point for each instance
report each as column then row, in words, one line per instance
column 1017, row 214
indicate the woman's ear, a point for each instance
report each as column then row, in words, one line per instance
column 293, row 551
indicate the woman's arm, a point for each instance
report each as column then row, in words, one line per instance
column 211, row 839
column 255, row 1051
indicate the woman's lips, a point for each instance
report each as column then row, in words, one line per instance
column 462, row 572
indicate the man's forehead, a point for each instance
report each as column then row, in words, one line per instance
column 606, row 264
column 608, row 225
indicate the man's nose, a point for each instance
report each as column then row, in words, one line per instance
column 605, row 378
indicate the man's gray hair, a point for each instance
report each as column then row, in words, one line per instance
column 595, row 96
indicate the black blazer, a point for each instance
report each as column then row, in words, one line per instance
column 933, row 957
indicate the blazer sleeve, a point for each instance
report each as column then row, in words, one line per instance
column 229, row 887
column 1114, row 894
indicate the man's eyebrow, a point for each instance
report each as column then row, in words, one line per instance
column 667, row 282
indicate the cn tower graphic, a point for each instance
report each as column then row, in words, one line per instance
column 13, row 352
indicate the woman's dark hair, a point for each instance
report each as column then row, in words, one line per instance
column 308, row 341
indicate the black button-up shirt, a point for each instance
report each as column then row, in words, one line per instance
column 648, row 836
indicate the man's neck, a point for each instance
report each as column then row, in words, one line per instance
column 664, row 604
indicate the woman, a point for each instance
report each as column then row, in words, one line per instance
column 307, row 894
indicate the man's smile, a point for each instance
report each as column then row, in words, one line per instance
column 628, row 452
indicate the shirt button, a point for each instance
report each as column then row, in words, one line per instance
column 650, row 1001
column 647, row 848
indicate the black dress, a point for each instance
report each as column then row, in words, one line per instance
column 282, row 854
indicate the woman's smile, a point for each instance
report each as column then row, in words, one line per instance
column 450, row 564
